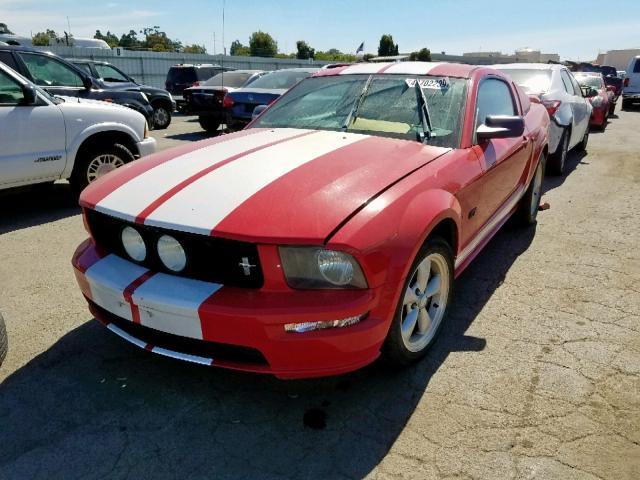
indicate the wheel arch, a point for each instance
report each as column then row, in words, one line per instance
column 102, row 137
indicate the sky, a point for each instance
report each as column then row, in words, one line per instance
column 575, row 29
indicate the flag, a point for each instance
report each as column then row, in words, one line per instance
column 360, row 49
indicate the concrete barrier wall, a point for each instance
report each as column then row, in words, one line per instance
column 151, row 68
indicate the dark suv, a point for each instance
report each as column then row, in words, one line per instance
column 186, row 75
column 114, row 78
column 59, row 77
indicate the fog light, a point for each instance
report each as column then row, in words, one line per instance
column 323, row 325
column 133, row 244
column 171, row 253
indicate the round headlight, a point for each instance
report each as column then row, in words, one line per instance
column 171, row 253
column 133, row 244
column 335, row 267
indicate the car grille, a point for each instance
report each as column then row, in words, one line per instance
column 219, row 352
column 210, row 259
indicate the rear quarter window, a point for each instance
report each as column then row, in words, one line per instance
column 636, row 66
column 182, row 75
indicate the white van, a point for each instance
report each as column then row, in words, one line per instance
column 631, row 92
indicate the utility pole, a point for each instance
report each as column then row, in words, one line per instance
column 214, row 43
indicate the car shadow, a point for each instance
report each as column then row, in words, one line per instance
column 574, row 160
column 93, row 406
column 195, row 136
column 36, row 205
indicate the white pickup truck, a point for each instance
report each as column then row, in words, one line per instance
column 45, row 138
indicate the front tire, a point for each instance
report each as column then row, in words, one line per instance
column 3, row 340
column 582, row 146
column 423, row 304
column 99, row 161
column 161, row 117
column 558, row 160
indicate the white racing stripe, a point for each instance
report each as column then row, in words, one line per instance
column 170, row 304
column 128, row 200
column 412, row 68
column 108, row 278
column 205, row 203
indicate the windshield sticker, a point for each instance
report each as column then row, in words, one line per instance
column 430, row 83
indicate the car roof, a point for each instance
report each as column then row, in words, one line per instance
column 402, row 68
column 302, row 69
column 587, row 74
column 196, row 65
column 528, row 66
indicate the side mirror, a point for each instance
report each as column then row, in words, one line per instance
column 86, row 81
column 588, row 92
column 500, row 126
column 258, row 110
column 29, row 92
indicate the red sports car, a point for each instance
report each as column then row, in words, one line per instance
column 599, row 95
column 328, row 231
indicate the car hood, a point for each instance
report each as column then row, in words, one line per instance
column 258, row 91
column 77, row 102
column 261, row 185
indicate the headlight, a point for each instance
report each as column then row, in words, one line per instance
column 596, row 101
column 315, row 267
column 171, row 253
column 133, row 244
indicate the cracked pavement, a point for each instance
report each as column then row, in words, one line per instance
column 536, row 374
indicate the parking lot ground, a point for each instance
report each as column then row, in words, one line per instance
column 536, row 374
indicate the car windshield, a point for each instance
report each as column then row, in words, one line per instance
column 228, row 79
column 182, row 75
column 382, row 105
column 531, row 81
column 589, row 81
column 280, row 80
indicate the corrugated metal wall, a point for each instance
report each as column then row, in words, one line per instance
column 151, row 68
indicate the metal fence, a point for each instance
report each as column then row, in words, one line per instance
column 151, row 68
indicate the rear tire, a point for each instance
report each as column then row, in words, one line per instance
column 528, row 208
column 423, row 305
column 97, row 162
column 209, row 124
column 3, row 340
column 582, row 146
column 558, row 160
column 626, row 104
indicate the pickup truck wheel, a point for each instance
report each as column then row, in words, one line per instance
column 528, row 208
column 3, row 340
column 423, row 304
column 558, row 160
column 161, row 117
column 97, row 162
column 208, row 124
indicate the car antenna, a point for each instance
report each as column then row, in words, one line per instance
column 224, row 48
column 425, row 118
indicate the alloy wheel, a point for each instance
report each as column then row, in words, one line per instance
column 101, row 165
column 160, row 117
column 425, row 302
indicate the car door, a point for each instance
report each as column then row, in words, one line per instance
column 578, row 107
column 53, row 75
column 32, row 137
column 503, row 159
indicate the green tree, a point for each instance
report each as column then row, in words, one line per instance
column 110, row 38
column 129, row 40
column 194, row 49
column 387, row 48
column 305, row 52
column 367, row 56
column 424, row 55
column 334, row 55
column 43, row 39
column 239, row 49
column 261, row 44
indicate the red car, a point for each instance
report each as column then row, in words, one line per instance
column 328, row 231
column 600, row 96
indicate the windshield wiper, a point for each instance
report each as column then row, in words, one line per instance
column 425, row 118
column 354, row 110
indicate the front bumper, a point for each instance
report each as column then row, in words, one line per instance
column 146, row 146
column 213, row 315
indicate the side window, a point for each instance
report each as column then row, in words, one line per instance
column 85, row 67
column 10, row 91
column 636, row 67
column 568, row 86
column 494, row 98
column 110, row 74
column 8, row 60
column 49, row 72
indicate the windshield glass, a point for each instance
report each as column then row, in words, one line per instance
column 228, row 79
column 531, row 81
column 280, row 80
column 589, row 81
column 389, row 107
column 110, row 74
